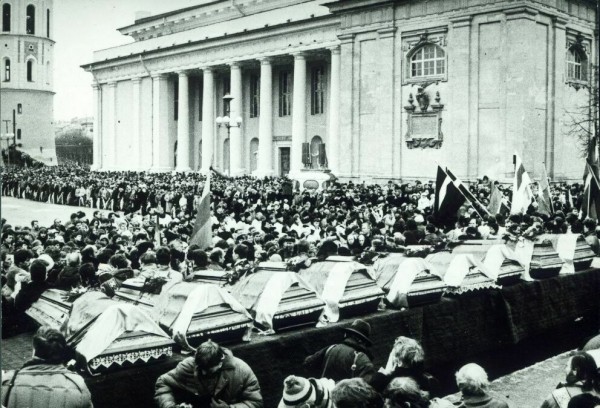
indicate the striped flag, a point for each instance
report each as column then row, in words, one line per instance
column 544, row 200
column 522, row 193
column 591, row 194
column 447, row 197
column 202, row 233
column 496, row 197
column 467, row 194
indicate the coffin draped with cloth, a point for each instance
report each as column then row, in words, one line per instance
column 407, row 281
column 500, row 260
column 108, row 335
column 345, row 285
column 278, row 298
column 191, row 312
column 462, row 273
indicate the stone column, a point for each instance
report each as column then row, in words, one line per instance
column 333, row 150
column 135, row 126
column 97, row 101
column 109, row 159
column 208, row 120
column 160, row 121
column 235, row 112
column 265, row 120
column 346, row 105
column 298, row 114
column 183, row 124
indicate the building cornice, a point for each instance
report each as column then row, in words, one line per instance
column 2, row 89
column 29, row 37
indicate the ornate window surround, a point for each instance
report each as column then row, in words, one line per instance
column 581, row 45
column 412, row 41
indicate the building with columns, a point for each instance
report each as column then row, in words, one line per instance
column 386, row 89
column 26, row 81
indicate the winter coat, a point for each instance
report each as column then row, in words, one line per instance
column 337, row 362
column 237, row 385
column 425, row 380
column 43, row 385
column 482, row 401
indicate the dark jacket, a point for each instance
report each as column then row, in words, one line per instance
column 425, row 380
column 43, row 385
column 482, row 401
column 336, row 362
column 30, row 292
column 236, row 386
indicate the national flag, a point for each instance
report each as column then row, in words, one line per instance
column 467, row 194
column 496, row 197
column 591, row 194
column 447, row 197
column 544, row 200
column 522, row 193
column 592, row 159
column 202, row 232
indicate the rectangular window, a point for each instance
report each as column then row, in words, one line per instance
column 226, row 91
column 48, row 23
column 285, row 93
column 176, row 100
column 7, row 70
column 317, row 91
column 200, row 99
column 18, row 134
column 254, row 96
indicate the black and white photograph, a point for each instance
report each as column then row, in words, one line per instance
column 300, row 203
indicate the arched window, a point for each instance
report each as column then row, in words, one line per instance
column 30, row 70
column 428, row 60
column 253, row 154
column 30, row 19
column 6, row 70
column 576, row 64
column 317, row 153
column 48, row 23
column 6, row 17
column 175, row 154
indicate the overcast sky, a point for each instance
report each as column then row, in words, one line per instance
column 82, row 27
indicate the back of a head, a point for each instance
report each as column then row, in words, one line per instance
column 472, row 379
column 37, row 271
column 73, row 258
column 22, row 255
column 355, row 393
column 403, row 392
column 208, row 355
column 148, row 258
column 50, row 345
column 408, row 353
column 584, row 400
column 583, row 368
column 217, row 255
column 119, row 261
column 163, row 256
column 199, row 257
column 241, row 250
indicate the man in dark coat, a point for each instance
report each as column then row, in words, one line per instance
column 212, row 378
column 31, row 291
column 349, row 359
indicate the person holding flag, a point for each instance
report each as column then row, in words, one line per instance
column 522, row 193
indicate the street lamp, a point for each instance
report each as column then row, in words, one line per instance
column 226, row 121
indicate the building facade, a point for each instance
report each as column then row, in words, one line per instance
column 371, row 89
column 26, row 84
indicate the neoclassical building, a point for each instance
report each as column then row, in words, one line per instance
column 26, row 81
column 371, row 89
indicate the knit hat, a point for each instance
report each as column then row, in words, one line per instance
column 297, row 391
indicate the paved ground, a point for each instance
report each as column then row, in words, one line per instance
column 21, row 212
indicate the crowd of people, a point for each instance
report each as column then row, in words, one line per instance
column 144, row 222
column 344, row 377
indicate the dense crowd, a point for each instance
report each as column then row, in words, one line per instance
column 143, row 225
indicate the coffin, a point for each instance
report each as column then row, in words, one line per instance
column 278, row 299
column 584, row 255
column 132, row 291
column 463, row 273
column 51, row 309
column 192, row 313
column 407, row 281
column 545, row 262
column 346, row 286
column 218, row 278
column 108, row 335
column 497, row 257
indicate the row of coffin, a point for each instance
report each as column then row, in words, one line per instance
column 137, row 327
